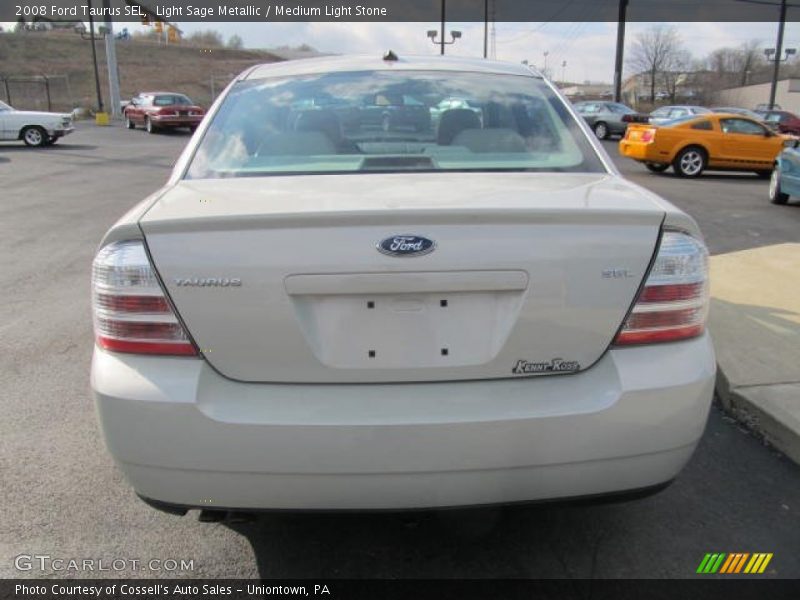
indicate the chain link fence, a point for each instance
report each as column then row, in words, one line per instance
column 40, row 92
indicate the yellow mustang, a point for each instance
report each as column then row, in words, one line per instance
column 725, row 142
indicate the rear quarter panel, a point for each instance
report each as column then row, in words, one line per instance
column 674, row 139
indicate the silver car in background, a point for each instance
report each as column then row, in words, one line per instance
column 314, row 314
column 605, row 118
column 670, row 113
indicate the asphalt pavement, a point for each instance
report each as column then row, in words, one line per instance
column 63, row 496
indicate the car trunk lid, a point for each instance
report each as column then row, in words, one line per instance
column 280, row 278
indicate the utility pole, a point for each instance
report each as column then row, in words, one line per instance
column 485, row 28
column 623, row 9
column 778, row 51
column 443, row 21
column 111, row 59
column 94, row 60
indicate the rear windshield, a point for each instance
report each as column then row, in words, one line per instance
column 171, row 100
column 392, row 121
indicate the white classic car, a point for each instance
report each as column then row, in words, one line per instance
column 33, row 128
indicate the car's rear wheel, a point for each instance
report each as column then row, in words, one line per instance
column 690, row 162
column 148, row 125
column 656, row 167
column 764, row 174
column 776, row 196
column 34, row 136
column 601, row 130
column 128, row 123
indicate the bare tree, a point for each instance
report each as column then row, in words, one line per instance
column 235, row 42
column 675, row 71
column 653, row 52
column 734, row 65
column 750, row 59
column 206, row 39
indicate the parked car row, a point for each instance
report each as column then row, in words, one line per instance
column 612, row 118
column 690, row 139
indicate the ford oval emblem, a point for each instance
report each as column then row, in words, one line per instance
column 406, row 245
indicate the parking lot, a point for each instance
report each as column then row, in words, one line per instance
column 63, row 496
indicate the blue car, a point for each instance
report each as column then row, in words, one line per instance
column 785, row 180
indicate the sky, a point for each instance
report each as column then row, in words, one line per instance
column 587, row 47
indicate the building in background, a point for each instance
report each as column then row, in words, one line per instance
column 787, row 95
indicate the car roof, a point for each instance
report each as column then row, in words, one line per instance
column 375, row 62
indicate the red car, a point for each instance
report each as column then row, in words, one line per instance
column 787, row 122
column 162, row 110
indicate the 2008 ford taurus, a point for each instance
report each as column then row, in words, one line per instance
column 319, row 312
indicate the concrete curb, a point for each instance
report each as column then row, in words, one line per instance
column 763, row 410
column 755, row 324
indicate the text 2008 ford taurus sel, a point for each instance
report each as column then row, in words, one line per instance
column 321, row 313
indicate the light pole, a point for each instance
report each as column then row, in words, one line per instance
column 545, row 62
column 485, row 28
column 94, row 59
column 563, row 71
column 433, row 34
column 769, row 52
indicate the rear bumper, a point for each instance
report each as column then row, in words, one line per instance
column 176, row 121
column 641, row 152
column 184, row 435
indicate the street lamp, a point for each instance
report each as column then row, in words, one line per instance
column 769, row 52
column 433, row 34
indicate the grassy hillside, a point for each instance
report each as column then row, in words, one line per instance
column 143, row 65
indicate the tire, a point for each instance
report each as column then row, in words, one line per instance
column 34, row 136
column 764, row 174
column 601, row 131
column 128, row 123
column 656, row 167
column 149, row 127
column 193, row 128
column 776, row 196
column 690, row 162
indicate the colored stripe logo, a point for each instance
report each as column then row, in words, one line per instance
column 736, row 562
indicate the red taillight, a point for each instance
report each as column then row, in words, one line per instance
column 648, row 135
column 673, row 304
column 131, row 312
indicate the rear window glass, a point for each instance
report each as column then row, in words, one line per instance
column 678, row 120
column 392, row 121
column 171, row 100
column 706, row 125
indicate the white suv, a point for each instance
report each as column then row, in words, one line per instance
column 316, row 313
